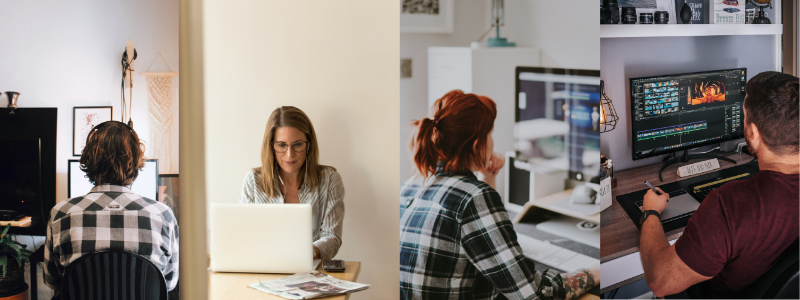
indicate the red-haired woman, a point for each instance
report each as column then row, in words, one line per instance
column 456, row 240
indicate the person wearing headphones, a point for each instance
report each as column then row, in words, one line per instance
column 111, row 216
column 456, row 240
column 290, row 173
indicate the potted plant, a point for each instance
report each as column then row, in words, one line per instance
column 13, row 257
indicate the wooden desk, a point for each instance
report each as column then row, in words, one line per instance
column 618, row 234
column 235, row 285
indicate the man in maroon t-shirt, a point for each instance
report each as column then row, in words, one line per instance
column 743, row 227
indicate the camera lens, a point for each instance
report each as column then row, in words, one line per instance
column 645, row 18
column 612, row 14
column 661, row 17
column 629, row 15
column 605, row 16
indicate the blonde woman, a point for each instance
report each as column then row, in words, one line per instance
column 290, row 173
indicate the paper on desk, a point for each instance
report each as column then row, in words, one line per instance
column 621, row 269
column 308, row 285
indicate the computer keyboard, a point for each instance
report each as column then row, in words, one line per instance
column 554, row 256
column 672, row 194
column 703, row 189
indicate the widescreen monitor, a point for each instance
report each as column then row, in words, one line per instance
column 146, row 184
column 557, row 115
column 670, row 113
column 20, row 174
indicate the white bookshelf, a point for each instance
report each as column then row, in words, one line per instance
column 611, row 31
column 667, row 30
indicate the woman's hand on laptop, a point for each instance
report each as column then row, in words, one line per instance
column 652, row 201
column 316, row 252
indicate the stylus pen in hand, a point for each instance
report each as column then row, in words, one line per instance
column 652, row 188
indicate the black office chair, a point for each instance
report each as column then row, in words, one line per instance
column 782, row 281
column 113, row 275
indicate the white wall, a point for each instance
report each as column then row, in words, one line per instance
column 565, row 31
column 335, row 60
column 471, row 19
column 65, row 54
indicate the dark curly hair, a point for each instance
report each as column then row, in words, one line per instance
column 113, row 154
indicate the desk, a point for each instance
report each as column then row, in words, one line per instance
column 235, row 285
column 618, row 235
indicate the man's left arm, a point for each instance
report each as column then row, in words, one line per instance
column 664, row 271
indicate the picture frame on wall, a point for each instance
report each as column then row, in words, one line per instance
column 426, row 16
column 84, row 118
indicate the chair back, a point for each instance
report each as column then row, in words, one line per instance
column 113, row 275
column 782, row 281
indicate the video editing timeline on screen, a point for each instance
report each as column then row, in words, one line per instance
column 672, row 112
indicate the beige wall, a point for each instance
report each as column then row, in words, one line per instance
column 337, row 61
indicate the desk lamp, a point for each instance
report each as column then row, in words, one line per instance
column 498, row 15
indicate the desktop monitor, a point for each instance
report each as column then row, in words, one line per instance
column 146, row 184
column 20, row 175
column 670, row 113
column 557, row 120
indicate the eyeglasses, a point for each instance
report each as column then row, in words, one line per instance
column 298, row 146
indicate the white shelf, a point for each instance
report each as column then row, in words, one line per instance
column 665, row 30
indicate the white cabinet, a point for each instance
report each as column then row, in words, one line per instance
column 484, row 71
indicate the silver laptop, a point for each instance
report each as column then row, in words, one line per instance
column 679, row 205
column 261, row 238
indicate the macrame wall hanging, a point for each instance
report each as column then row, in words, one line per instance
column 159, row 90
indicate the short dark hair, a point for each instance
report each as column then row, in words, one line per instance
column 113, row 154
column 772, row 105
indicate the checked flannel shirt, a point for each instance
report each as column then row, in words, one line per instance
column 457, row 242
column 110, row 217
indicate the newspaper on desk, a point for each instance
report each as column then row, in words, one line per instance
column 308, row 285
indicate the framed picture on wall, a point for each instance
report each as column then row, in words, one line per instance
column 84, row 118
column 426, row 16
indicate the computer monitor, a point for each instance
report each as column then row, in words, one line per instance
column 146, row 184
column 20, row 175
column 557, row 120
column 670, row 113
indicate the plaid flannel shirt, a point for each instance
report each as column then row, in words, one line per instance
column 111, row 217
column 457, row 242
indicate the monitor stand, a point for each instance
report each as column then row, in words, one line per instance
column 686, row 157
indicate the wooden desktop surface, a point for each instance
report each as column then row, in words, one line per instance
column 618, row 235
column 235, row 285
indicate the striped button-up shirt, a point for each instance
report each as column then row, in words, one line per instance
column 111, row 217
column 457, row 242
column 327, row 206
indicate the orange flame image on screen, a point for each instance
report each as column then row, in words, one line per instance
column 708, row 92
